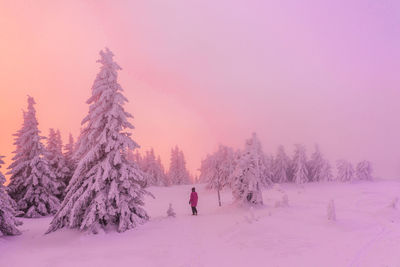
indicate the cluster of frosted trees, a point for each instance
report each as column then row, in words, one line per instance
column 154, row 171
column 98, row 183
column 248, row 170
column 90, row 185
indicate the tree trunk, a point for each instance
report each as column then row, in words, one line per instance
column 219, row 198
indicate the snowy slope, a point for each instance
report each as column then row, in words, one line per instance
column 366, row 233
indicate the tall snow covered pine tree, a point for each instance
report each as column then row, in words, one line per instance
column 319, row 167
column 69, row 149
column 105, row 192
column 281, row 166
column 32, row 183
column 177, row 173
column 56, row 160
column 247, row 178
column 300, row 170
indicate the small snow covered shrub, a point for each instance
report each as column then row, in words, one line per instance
column 394, row 203
column 284, row 202
column 331, row 212
column 170, row 211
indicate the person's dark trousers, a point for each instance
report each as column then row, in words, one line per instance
column 194, row 210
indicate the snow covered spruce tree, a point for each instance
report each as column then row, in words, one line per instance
column 161, row 172
column 264, row 162
column 177, row 173
column 153, row 169
column 69, row 160
column 268, row 170
column 247, row 177
column 300, row 170
column 345, row 171
column 281, row 166
column 319, row 167
column 364, row 170
column 33, row 185
column 105, row 192
column 8, row 223
column 216, row 169
column 57, row 161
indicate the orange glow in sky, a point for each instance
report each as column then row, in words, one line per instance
column 197, row 75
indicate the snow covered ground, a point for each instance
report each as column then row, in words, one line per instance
column 366, row 233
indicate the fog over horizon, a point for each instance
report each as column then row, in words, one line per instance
column 202, row 73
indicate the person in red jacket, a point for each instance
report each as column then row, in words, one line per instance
column 193, row 201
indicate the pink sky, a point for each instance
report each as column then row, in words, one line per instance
column 200, row 73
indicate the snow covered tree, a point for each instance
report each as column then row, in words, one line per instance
column 345, row 171
column 8, row 223
column 247, row 177
column 326, row 172
column 70, row 163
column 319, row 167
column 206, row 169
column 217, row 168
column 177, row 173
column 364, row 170
column 164, row 181
column 264, row 162
column 281, row 166
column 57, row 161
column 33, row 185
column 268, row 170
column 153, row 169
column 69, row 149
column 106, row 191
column 331, row 211
column 300, row 170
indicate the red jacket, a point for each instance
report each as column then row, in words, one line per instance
column 193, row 199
